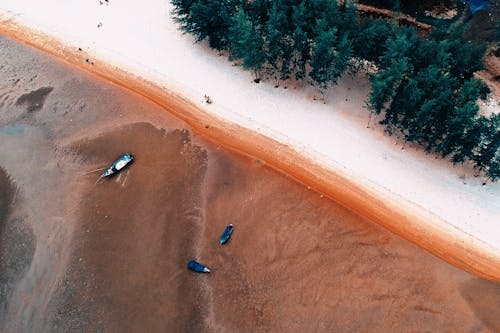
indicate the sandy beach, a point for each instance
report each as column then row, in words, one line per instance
column 442, row 209
column 412, row 222
column 80, row 255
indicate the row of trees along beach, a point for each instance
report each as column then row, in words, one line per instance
column 422, row 88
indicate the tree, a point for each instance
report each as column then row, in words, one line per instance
column 424, row 87
column 402, row 45
column 486, row 153
column 247, row 44
column 370, row 42
column 257, row 11
column 463, row 130
column 386, row 82
column 181, row 10
column 301, row 48
column 300, row 54
column 471, row 90
column 322, row 60
column 493, row 169
column 461, row 136
column 278, row 43
column 349, row 22
column 467, row 57
column 439, row 91
column 402, row 111
column 343, row 54
column 324, row 10
column 211, row 19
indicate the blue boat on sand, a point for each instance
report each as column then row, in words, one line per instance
column 226, row 234
column 118, row 165
column 197, row 267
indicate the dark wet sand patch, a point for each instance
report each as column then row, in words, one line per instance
column 6, row 195
column 35, row 99
column 136, row 233
column 17, row 244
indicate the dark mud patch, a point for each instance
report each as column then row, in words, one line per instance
column 6, row 195
column 17, row 244
column 136, row 233
column 484, row 299
column 35, row 99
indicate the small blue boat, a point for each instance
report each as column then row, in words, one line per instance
column 197, row 267
column 226, row 234
column 118, row 165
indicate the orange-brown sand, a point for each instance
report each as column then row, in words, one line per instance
column 85, row 256
column 407, row 220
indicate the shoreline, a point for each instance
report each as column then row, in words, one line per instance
column 393, row 212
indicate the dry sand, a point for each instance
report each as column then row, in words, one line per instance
column 76, row 255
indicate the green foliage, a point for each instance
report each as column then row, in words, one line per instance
column 486, row 153
column 323, row 59
column 330, row 57
column 257, row 11
column 493, row 168
column 326, row 11
column 344, row 52
column 423, row 89
column 400, row 46
column 207, row 19
column 430, row 119
column 301, row 49
column 462, row 133
column 279, row 44
column 349, row 20
column 181, row 9
column 301, row 53
column 467, row 57
column 246, row 43
column 370, row 42
column 386, row 83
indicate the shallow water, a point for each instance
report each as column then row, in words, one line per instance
column 110, row 255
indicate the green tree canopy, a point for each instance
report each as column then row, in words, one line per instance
column 247, row 44
column 278, row 43
column 423, row 86
column 323, row 59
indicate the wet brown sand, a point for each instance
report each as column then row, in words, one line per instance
column 393, row 212
column 137, row 231
column 111, row 256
